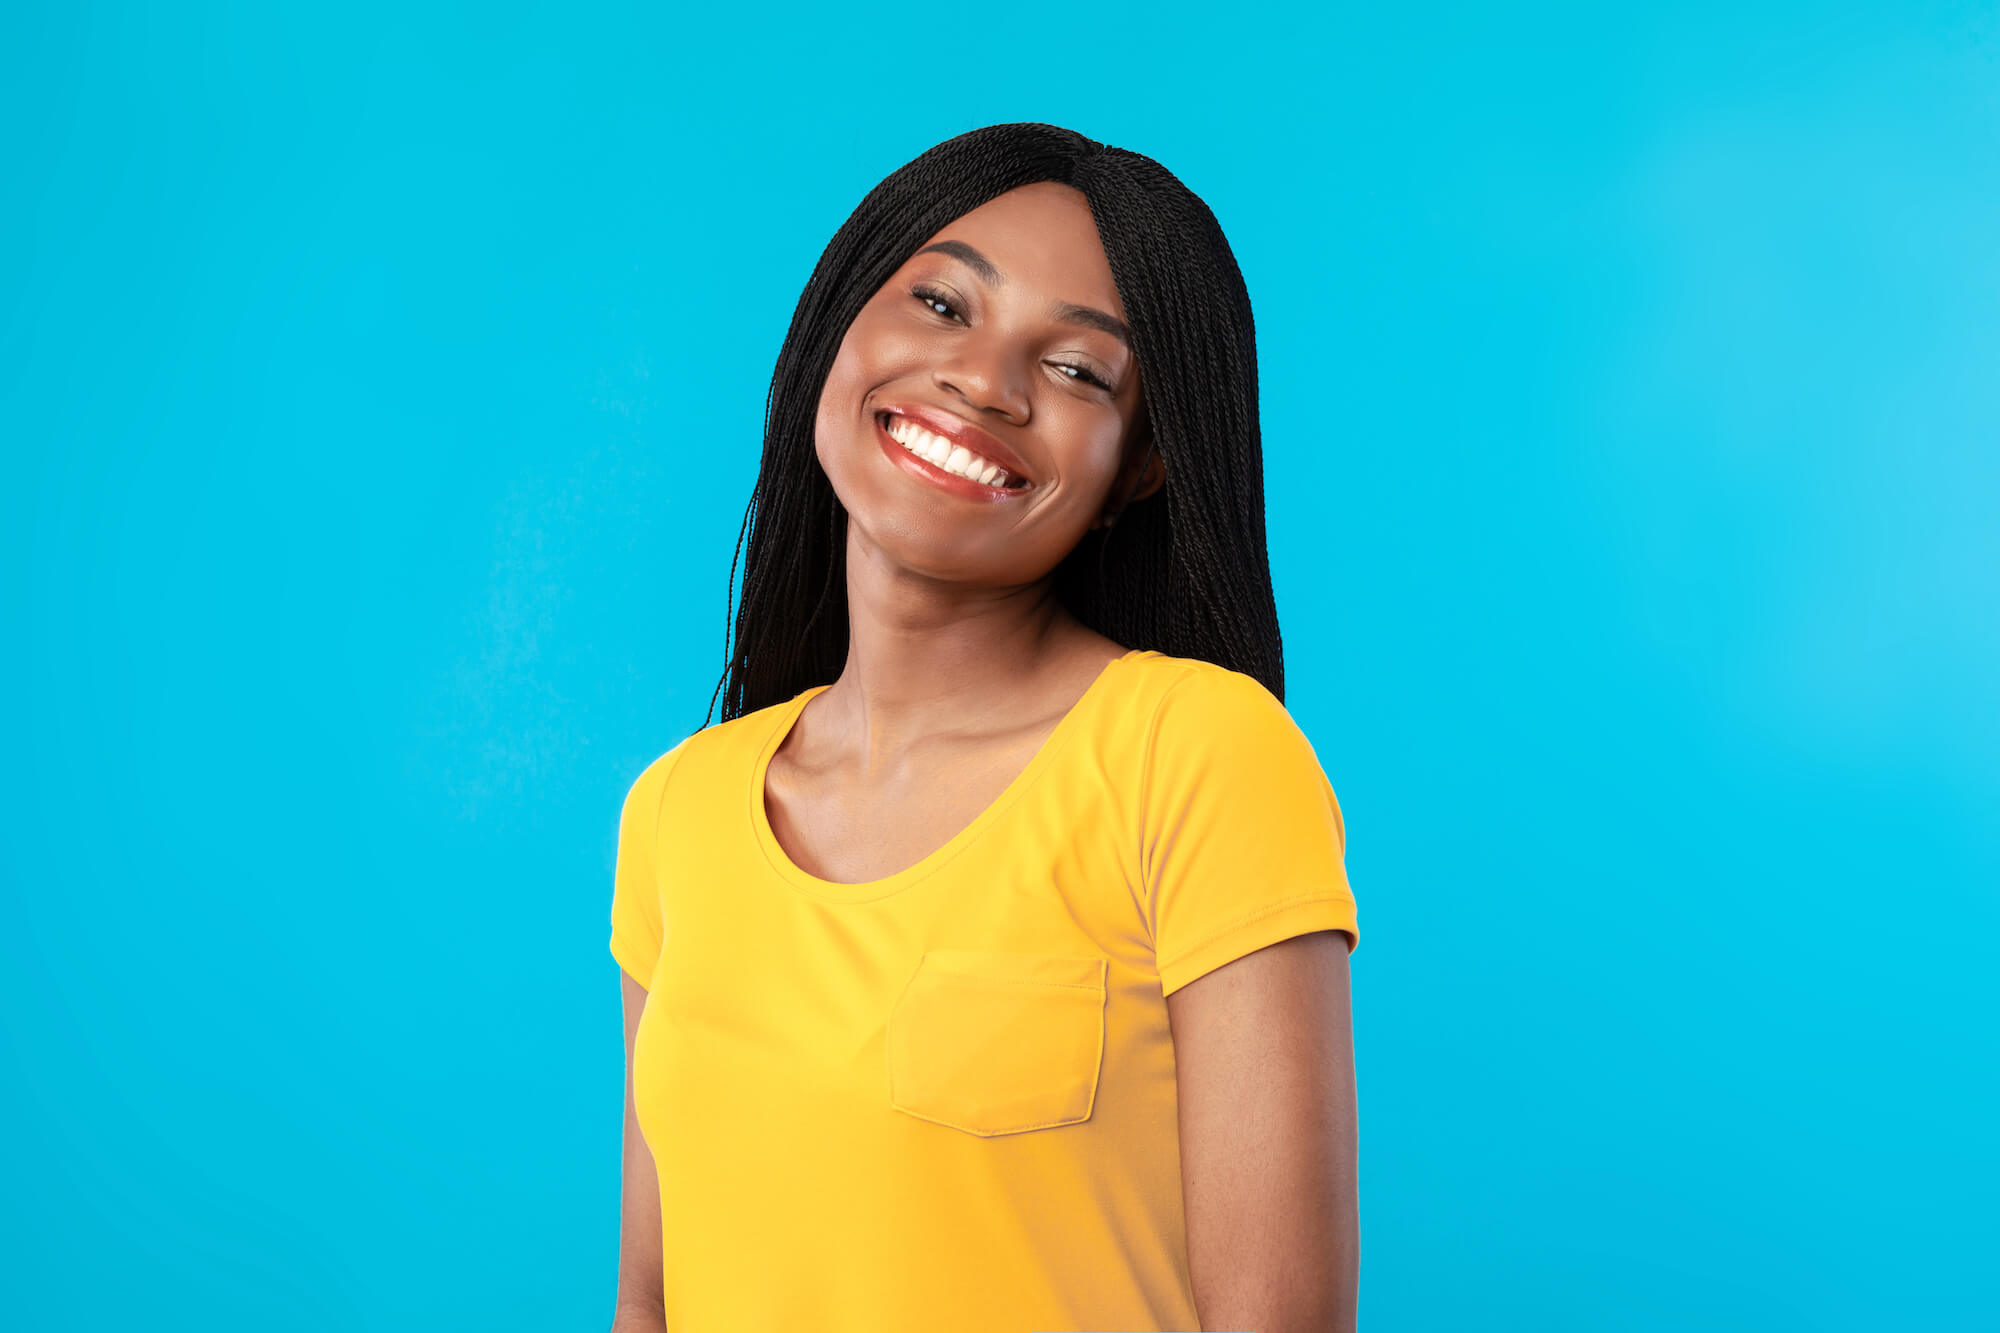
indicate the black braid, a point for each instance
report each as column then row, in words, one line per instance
column 1188, row 574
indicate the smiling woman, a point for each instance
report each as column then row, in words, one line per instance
column 953, row 339
column 986, row 965
column 1096, row 265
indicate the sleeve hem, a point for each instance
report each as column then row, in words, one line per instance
column 633, row 960
column 1281, row 921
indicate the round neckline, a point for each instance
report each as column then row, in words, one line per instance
column 812, row 884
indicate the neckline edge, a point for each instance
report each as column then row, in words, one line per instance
column 888, row 885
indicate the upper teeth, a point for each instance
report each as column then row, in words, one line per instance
column 951, row 457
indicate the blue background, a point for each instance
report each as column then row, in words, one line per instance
column 380, row 389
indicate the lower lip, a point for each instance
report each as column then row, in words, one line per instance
column 926, row 470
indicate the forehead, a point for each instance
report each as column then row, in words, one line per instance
column 1044, row 242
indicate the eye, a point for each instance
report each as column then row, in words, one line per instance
column 942, row 304
column 934, row 298
column 1084, row 373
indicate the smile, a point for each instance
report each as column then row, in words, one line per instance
column 937, row 460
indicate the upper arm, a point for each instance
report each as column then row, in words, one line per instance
column 1264, row 1061
column 640, row 1292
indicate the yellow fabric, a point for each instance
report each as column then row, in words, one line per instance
column 945, row 1099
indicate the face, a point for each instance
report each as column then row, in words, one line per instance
column 998, row 344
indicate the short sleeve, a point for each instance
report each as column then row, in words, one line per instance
column 1242, row 842
column 636, row 930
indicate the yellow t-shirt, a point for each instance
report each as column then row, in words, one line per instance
column 945, row 1099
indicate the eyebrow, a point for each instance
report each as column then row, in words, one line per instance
column 1068, row 312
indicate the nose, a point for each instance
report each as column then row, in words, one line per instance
column 986, row 375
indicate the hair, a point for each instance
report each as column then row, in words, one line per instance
column 1187, row 573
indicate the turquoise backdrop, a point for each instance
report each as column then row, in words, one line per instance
column 380, row 388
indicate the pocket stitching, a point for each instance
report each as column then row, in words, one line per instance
column 1100, row 988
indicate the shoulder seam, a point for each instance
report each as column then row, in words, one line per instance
column 670, row 761
column 1146, row 768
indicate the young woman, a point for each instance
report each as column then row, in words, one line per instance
column 986, row 966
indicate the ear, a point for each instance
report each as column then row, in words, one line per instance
column 1152, row 475
column 1144, row 451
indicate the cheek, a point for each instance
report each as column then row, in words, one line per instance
column 846, row 380
column 842, row 369
column 1099, row 447
column 856, row 367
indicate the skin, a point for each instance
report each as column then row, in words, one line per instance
column 1264, row 1070
column 960, row 658
column 641, row 1303
column 960, row 663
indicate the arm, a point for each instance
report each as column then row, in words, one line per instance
column 1264, row 1060
column 641, row 1304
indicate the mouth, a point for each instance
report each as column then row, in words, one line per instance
column 939, row 454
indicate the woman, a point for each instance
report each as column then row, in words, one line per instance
column 986, row 966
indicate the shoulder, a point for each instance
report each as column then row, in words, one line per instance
column 642, row 795
column 657, row 772
column 1222, row 750
column 1212, row 726
column 736, row 737
column 1195, row 701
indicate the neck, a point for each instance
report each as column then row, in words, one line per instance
column 926, row 656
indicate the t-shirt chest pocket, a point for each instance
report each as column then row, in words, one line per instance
column 998, row 1043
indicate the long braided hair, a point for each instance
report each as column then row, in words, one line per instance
column 1187, row 572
